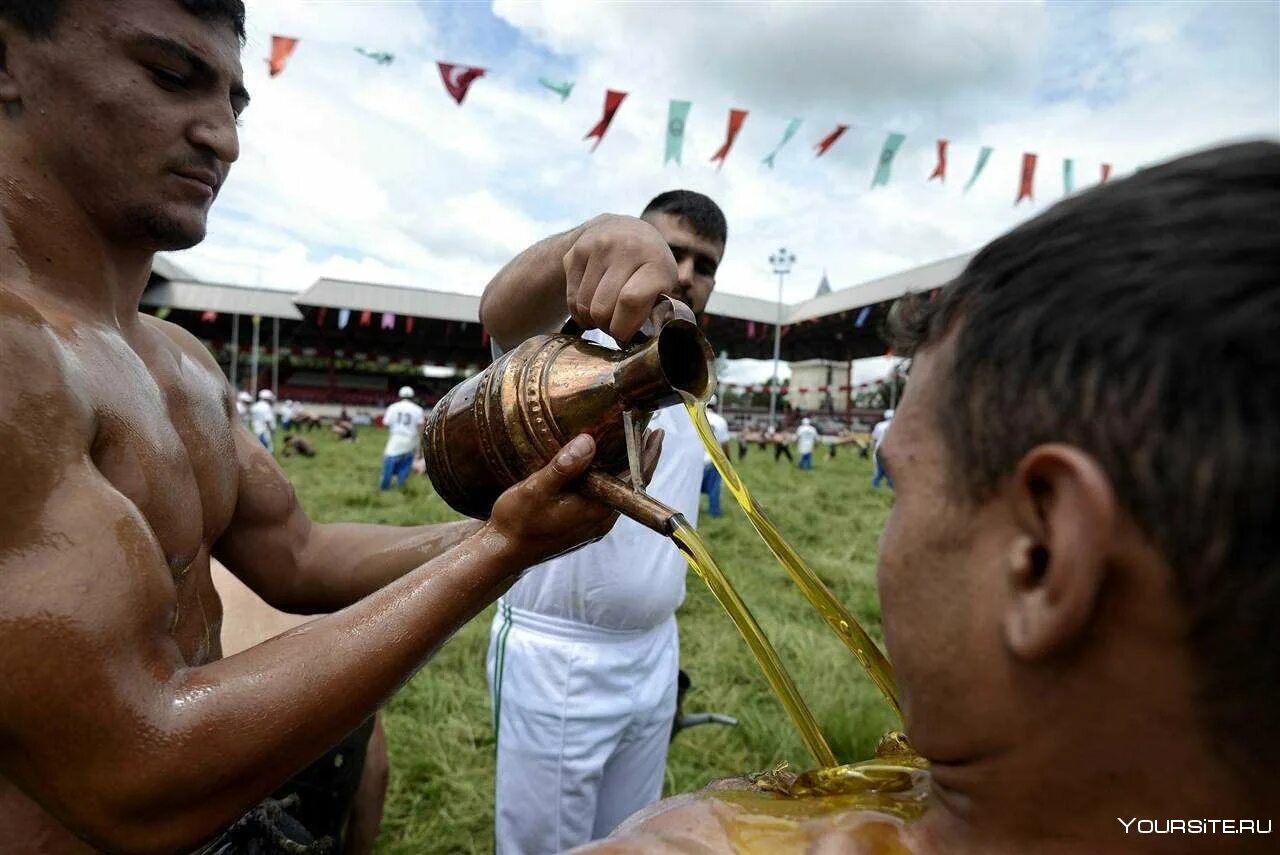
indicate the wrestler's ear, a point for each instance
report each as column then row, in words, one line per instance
column 1064, row 512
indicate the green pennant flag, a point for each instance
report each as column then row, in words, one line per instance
column 892, row 143
column 379, row 56
column 561, row 89
column 978, row 167
column 163, row 312
column 792, row 127
column 1068, row 175
column 677, row 115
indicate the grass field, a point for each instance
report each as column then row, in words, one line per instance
column 439, row 728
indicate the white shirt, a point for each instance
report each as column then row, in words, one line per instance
column 806, row 436
column 263, row 417
column 878, row 432
column 720, row 429
column 632, row 578
column 404, row 418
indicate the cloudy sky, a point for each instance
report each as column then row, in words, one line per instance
column 369, row 172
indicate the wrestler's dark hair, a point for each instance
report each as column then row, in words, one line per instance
column 1140, row 322
column 703, row 215
column 38, row 18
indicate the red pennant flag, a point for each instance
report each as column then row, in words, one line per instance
column 1106, row 171
column 940, row 171
column 736, row 118
column 408, row 324
column 366, row 318
column 321, row 315
column 281, row 49
column 612, row 101
column 1028, row 175
column 208, row 317
column 458, row 78
column 830, row 139
column 484, row 338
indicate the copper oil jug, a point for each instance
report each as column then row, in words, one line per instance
column 505, row 423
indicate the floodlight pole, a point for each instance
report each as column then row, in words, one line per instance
column 781, row 261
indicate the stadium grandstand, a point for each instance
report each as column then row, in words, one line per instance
column 354, row 344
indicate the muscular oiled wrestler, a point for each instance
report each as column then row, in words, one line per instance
column 124, row 470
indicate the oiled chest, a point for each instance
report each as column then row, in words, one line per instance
column 163, row 439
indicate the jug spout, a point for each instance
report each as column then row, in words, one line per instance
column 678, row 358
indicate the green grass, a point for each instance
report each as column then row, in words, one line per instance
column 439, row 728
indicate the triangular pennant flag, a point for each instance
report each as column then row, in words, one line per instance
column 379, row 56
column 366, row 318
column 1106, row 171
column 1068, row 176
column 163, row 312
column 408, row 324
column 940, row 171
column 281, row 49
column 983, row 155
column 612, row 101
column 344, row 317
column 736, row 118
column 208, row 317
column 751, row 329
column 458, row 78
column 862, row 317
column 1028, row 177
column 792, row 127
column 677, row 115
column 321, row 315
column 561, row 89
column 891, row 145
column 830, row 139
column 388, row 321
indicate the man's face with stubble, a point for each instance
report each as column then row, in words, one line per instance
column 131, row 106
column 697, row 259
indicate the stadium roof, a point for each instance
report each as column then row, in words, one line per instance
column 890, row 287
column 229, row 299
column 400, row 299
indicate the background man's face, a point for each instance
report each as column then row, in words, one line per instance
column 697, row 259
column 940, row 580
column 132, row 107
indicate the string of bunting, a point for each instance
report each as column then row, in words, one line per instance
column 458, row 79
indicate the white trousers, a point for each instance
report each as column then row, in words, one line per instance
column 583, row 717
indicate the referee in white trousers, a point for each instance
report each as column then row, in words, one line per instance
column 583, row 652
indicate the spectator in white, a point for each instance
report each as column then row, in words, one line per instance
column 877, row 438
column 404, row 420
column 262, row 416
column 710, row 475
column 806, row 436
column 243, row 402
column 286, row 415
column 583, row 653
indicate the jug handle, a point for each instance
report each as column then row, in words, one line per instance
column 622, row 497
column 667, row 308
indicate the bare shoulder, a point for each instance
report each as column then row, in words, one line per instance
column 38, row 375
column 183, row 341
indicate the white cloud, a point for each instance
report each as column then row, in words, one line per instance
column 369, row 172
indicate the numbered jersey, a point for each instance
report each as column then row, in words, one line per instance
column 404, row 420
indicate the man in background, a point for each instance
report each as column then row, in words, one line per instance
column 262, row 418
column 404, row 421
column 711, row 480
column 806, row 437
column 583, row 654
column 877, row 438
